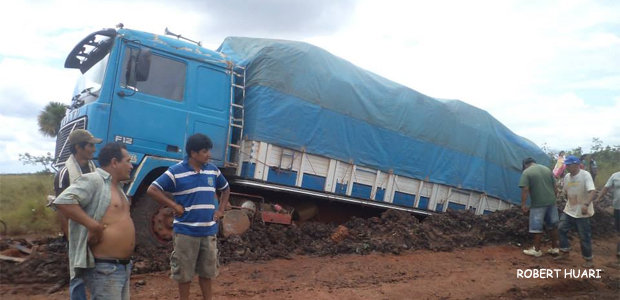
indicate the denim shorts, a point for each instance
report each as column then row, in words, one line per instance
column 193, row 255
column 546, row 215
column 108, row 280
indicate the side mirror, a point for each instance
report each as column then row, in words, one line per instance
column 138, row 66
column 143, row 64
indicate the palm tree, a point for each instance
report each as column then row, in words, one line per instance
column 50, row 117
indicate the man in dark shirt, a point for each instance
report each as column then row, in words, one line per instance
column 593, row 167
column 82, row 147
column 538, row 183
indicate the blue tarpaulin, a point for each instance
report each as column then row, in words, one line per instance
column 302, row 97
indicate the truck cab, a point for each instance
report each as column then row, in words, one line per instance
column 149, row 92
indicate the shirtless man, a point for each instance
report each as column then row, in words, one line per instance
column 101, row 232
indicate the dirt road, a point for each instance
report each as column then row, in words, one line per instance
column 470, row 273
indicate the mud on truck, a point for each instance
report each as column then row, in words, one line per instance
column 289, row 121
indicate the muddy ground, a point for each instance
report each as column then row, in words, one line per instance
column 451, row 255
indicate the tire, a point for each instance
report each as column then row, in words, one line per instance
column 142, row 213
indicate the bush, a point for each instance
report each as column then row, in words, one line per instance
column 608, row 161
column 23, row 200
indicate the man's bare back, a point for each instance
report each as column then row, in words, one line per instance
column 118, row 239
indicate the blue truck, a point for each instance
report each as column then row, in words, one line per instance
column 287, row 118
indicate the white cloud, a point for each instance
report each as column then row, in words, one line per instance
column 19, row 136
column 605, row 82
column 563, row 122
column 36, row 82
column 547, row 70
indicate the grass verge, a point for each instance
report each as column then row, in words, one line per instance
column 22, row 204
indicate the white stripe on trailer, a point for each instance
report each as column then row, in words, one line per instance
column 350, row 180
column 330, row 184
column 302, row 169
column 336, row 172
column 418, row 194
column 389, row 191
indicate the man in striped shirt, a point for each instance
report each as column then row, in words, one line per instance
column 193, row 183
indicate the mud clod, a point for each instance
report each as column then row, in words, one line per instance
column 391, row 232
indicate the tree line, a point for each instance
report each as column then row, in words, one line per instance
column 607, row 159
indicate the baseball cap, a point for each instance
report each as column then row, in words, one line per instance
column 571, row 160
column 81, row 135
column 528, row 161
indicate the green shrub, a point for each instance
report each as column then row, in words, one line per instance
column 608, row 161
column 23, row 200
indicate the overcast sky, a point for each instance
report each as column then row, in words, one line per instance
column 548, row 70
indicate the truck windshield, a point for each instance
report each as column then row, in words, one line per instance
column 88, row 85
column 90, row 56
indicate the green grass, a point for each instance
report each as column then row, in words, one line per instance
column 608, row 163
column 22, row 204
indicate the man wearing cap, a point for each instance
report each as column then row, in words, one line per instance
column 82, row 148
column 580, row 193
column 538, row 182
column 613, row 186
column 101, row 231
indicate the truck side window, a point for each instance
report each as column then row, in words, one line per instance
column 214, row 93
column 166, row 77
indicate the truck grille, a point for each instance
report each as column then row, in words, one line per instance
column 62, row 143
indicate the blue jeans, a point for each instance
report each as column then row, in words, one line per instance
column 108, row 280
column 617, row 225
column 585, row 234
column 546, row 215
column 77, row 289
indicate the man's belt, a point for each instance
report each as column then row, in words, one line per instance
column 113, row 261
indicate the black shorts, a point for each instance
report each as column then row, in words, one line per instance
column 617, row 220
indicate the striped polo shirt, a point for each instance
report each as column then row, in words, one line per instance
column 196, row 192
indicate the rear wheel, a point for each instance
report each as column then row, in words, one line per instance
column 153, row 223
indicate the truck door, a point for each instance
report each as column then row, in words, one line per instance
column 209, row 107
column 151, row 116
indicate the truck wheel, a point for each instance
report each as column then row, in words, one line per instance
column 153, row 223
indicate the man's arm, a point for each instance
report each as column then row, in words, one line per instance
column 556, row 189
column 591, row 196
column 162, row 199
column 77, row 214
column 602, row 194
column 223, row 203
column 524, row 192
column 73, row 198
column 591, row 189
